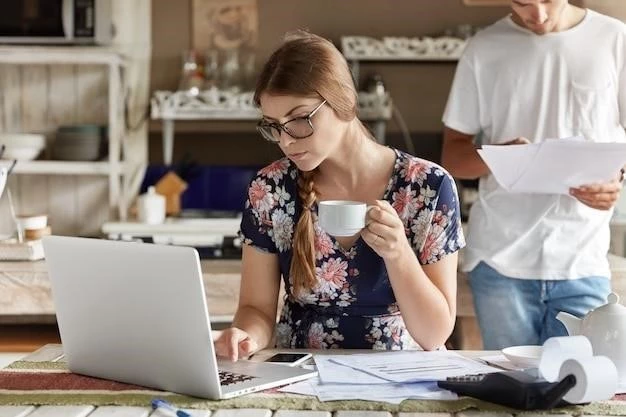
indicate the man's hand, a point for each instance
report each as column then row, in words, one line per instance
column 601, row 196
column 517, row 141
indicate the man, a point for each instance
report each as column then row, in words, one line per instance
column 549, row 70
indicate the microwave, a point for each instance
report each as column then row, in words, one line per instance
column 56, row 22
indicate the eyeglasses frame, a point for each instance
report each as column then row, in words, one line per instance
column 281, row 126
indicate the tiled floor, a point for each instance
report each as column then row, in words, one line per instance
column 8, row 357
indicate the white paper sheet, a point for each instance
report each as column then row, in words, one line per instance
column 500, row 361
column 331, row 372
column 387, row 392
column 411, row 366
column 553, row 166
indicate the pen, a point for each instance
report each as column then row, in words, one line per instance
column 160, row 404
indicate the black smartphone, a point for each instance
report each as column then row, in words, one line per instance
column 289, row 358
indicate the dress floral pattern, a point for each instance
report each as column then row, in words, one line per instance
column 352, row 305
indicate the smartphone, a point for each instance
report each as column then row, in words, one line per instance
column 289, row 358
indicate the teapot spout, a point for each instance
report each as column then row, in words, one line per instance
column 571, row 323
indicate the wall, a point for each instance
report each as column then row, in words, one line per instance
column 419, row 90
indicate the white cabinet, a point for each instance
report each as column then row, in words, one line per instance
column 32, row 57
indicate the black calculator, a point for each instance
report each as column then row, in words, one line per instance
column 515, row 389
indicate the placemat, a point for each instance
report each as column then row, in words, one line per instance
column 50, row 383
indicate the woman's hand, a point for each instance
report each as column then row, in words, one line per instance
column 384, row 231
column 233, row 343
column 600, row 196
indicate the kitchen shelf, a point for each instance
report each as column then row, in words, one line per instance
column 425, row 49
column 365, row 48
column 46, row 55
column 63, row 168
column 112, row 167
column 221, row 105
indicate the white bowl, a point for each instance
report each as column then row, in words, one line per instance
column 523, row 356
column 32, row 222
column 22, row 146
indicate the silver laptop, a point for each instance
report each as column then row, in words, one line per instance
column 137, row 313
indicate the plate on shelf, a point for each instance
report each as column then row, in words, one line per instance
column 526, row 356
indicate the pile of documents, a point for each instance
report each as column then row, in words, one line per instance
column 386, row 376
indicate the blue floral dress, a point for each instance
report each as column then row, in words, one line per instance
column 353, row 305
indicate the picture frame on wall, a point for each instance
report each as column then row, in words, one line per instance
column 225, row 24
column 486, row 2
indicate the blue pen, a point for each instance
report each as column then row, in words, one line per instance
column 158, row 403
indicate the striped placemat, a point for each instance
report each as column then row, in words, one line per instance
column 49, row 382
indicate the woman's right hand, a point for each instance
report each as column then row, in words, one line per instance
column 233, row 343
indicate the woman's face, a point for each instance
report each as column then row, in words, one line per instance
column 307, row 153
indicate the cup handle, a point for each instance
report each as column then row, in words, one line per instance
column 367, row 209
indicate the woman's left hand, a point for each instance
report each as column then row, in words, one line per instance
column 601, row 196
column 384, row 231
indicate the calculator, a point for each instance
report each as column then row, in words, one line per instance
column 515, row 389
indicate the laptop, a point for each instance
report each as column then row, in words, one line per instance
column 137, row 313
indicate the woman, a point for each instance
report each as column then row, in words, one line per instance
column 393, row 286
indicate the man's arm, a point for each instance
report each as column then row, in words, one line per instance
column 459, row 155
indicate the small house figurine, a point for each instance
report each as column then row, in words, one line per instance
column 171, row 186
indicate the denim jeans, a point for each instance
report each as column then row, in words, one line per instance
column 513, row 311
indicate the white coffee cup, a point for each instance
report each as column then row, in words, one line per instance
column 342, row 217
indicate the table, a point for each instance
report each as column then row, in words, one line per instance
column 121, row 411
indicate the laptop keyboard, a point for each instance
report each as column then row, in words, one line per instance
column 229, row 378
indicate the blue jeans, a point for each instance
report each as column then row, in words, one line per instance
column 515, row 312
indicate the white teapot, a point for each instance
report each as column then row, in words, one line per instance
column 605, row 327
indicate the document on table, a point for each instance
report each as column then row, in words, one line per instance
column 554, row 165
column 402, row 366
column 387, row 392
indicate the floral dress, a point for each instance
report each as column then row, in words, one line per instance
column 353, row 305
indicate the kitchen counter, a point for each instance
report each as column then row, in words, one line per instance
column 25, row 295
column 25, row 291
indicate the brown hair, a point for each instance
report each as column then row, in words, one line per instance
column 308, row 65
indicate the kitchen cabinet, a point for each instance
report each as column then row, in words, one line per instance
column 114, row 167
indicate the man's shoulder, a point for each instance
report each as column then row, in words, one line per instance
column 606, row 22
column 485, row 37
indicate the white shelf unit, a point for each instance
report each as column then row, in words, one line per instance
column 400, row 49
column 215, row 104
column 86, row 55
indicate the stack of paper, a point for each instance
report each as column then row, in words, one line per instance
column 387, row 376
column 554, row 165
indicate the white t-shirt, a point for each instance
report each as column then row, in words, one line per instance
column 511, row 82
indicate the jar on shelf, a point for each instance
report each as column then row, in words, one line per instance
column 230, row 74
column 192, row 77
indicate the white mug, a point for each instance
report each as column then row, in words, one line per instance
column 342, row 217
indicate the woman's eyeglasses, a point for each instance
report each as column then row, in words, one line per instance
column 297, row 128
